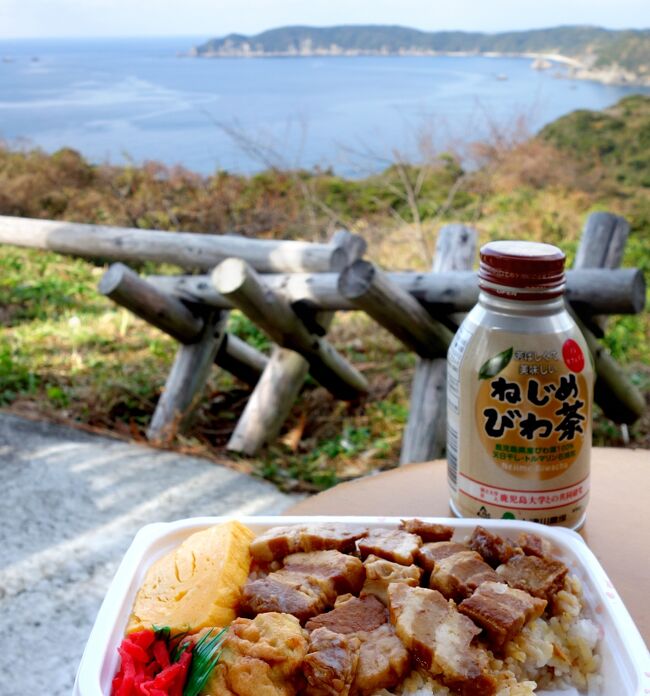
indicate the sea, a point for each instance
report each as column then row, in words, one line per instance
column 133, row 100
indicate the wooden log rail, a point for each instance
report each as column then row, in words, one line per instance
column 184, row 249
column 169, row 314
column 371, row 290
column 590, row 290
column 236, row 280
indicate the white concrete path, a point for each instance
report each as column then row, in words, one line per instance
column 70, row 503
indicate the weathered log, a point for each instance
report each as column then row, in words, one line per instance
column 165, row 312
column 618, row 398
column 186, row 380
column 370, row 290
column 269, row 404
column 185, row 249
column 170, row 315
column 425, row 434
column 272, row 399
column 235, row 279
column 602, row 245
column 596, row 291
column 241, row 360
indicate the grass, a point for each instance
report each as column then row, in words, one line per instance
column 68, row 354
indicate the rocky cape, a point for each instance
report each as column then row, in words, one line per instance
column 586, row 53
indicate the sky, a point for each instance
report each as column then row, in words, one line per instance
column 210, row 18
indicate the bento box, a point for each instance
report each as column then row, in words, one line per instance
column 625, row 668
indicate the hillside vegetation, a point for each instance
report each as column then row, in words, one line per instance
column 68, row 354
column 593, row 47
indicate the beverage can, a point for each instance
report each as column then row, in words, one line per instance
column 519, row 394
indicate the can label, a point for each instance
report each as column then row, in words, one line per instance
column 519, row 426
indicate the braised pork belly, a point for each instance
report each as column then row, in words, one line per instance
column 366, row 624
column 494, row 549
column 394, row 545
column 380, row 573
column 278, row 542
column 382, row 660
column 501, row 611
column 533, row 545
column 440, row 638
column 330, row 665
column 308, row 584
column 458, row 575
column 540, row 577
column 427, row 531
column 428, row 554
column 351, row 615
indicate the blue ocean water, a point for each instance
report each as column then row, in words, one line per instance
column 136, row 100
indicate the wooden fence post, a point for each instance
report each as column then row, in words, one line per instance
column 601, row 246
column 186, row 380
column 272, row 399
column 425, row 434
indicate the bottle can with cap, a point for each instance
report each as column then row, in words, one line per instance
column 519, row 394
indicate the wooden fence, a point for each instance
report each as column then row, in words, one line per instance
column 291, row 291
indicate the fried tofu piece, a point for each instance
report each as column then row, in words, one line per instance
column 330, row 665
column 458, row 575
column 278, row 542
column 380, row 573
column 440, row 638
column 427, row 531
column 428, row 554
column 494, row 549
column 394, row 545
column 351, row 616
column 261, row 657
column 540, row 577
column 307, row 585
column 501, row 611
column 383, row 661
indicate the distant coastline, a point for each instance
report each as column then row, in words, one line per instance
column 589, row 53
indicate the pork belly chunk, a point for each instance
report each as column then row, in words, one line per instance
column 308, row 584
column 458, row 575
column 380, row 573
column 392, row 544
column 494, row 549
column 534, row 545
column 440, row 638
column 428, row 554
column 351, row 616
column 261, row 657
column 501, row 611
column 540, row 577
column 330, row 665
column 278, row 542
column 383, row 661
column 427, row 531
column 345, row 573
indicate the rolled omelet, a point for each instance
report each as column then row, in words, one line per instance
column 198, row 584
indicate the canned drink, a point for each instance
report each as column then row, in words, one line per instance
column 519, row 394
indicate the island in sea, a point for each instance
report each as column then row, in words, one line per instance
column 593, row 53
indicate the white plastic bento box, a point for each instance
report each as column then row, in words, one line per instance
column 626, row 661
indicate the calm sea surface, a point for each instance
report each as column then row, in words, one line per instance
column 136, row 100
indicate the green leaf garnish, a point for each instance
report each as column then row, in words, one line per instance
column 495, row 364
column 163, row 632
column 205, row 655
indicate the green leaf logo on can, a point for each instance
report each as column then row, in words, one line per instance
column 495, row 364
